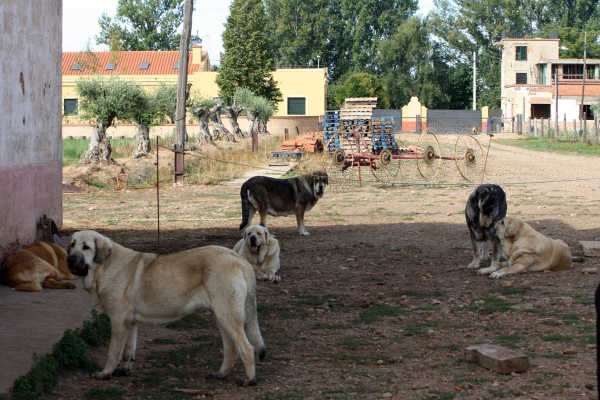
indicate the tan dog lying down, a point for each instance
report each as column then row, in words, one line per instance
column 39, row 265
column 261, row 250
column 133, row 287
column 528, row 250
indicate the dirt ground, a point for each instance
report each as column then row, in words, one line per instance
column 377, row 302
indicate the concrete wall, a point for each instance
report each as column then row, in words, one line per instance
column 30, row 98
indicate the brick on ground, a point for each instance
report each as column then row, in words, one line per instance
column 496, row 358
column 590, row 248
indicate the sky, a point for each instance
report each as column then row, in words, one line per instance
column 80, row 23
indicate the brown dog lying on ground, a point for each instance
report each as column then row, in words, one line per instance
column 528, row 250
column 261, row 250
column 39, row 265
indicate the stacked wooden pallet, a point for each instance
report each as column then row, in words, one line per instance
column 331, row 124
column 358, row 108
column 383, row 135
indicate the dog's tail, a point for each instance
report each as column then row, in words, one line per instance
column 251, row 325
column 245, row 208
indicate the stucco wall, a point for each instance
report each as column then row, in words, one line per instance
column 30, row 132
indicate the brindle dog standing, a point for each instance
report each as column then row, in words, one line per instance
column 486, row 205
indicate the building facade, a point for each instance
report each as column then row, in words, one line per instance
column 537, row 83
column 30, row 133
column 304, row 90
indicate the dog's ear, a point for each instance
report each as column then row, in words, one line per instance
column 103, row 249
column 246, row 233
column 266, row 235
column 511, row 227
column 325, row 177
column 492, row 190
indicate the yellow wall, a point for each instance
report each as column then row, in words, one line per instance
column 310, row 83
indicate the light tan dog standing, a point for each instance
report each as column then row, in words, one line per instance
column 261, row 250
column 528, row 250
column 133, row 287
column 39, row 265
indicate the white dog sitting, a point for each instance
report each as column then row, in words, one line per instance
column 261, row 250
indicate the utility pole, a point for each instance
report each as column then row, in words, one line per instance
column 584, row 74
column 182, row 88
column 474, row 80
column 556, row 103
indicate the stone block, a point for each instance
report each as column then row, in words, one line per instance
column 496, row 358
column 590, row 249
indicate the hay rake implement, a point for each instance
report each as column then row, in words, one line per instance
column 349, row 158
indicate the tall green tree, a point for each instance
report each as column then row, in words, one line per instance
column 142, row 25
column 248, row 60
column 361, row 84
column 298, row 29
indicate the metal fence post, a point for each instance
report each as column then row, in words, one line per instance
column 418, row 123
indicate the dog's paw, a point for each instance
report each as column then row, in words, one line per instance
column 304, row 233
column 473, row 265
column 246, row 382
column 72, row 286
column 496, row 275
column 274, row 278
column 214, row 377
column 121, row 372
column 101, row 376
column 486, row 271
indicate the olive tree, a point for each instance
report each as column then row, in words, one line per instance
column 102, row 101
column 202, row 108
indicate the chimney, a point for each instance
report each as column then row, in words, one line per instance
column 553, row 35
column 197, row 54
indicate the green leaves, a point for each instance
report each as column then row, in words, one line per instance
column 361, row 84
column 248, row 60
column 142, row 25
column 105, row 99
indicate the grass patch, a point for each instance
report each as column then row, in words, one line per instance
column 375, row 312
column 557, row 337
column 511, row 291
column 511, row 341
column 492, row 304
column 418, row 329
column 104, row 394
column 499, row 394
column 189, row 322
column 69, row 353
column 553, row 146
column 353, row 342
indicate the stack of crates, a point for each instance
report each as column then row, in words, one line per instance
column 383, row 135
column 331, row 124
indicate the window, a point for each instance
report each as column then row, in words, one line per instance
column 145, row 65
column 77, row 66
column 521, row 78
column 296, row 106
column 591, row 72
column 573, row 71
column 110, row 66
column 521, row 53
column 70, row 107
column 176, row 65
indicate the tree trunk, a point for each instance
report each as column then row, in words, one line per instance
column 233, row 112
column 142, row 133
column 265, row 130
column 251, row 124
column 219, row 130
column 99, row 150
column 204, row 136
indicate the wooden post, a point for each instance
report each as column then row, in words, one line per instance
column 286, row 134
column 254, row 142
column 542, row 127
column 565, row 124
column 535, row 127
column 574, row 129
column 182, row 89
column 596, row 127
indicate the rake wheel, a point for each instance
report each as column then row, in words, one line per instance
column 429, row 157
column 387, row 167
column 469, row 158
column 340, row 168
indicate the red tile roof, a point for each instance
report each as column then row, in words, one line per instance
column 127, row 62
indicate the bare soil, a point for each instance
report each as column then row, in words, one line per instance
column 377, row 302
